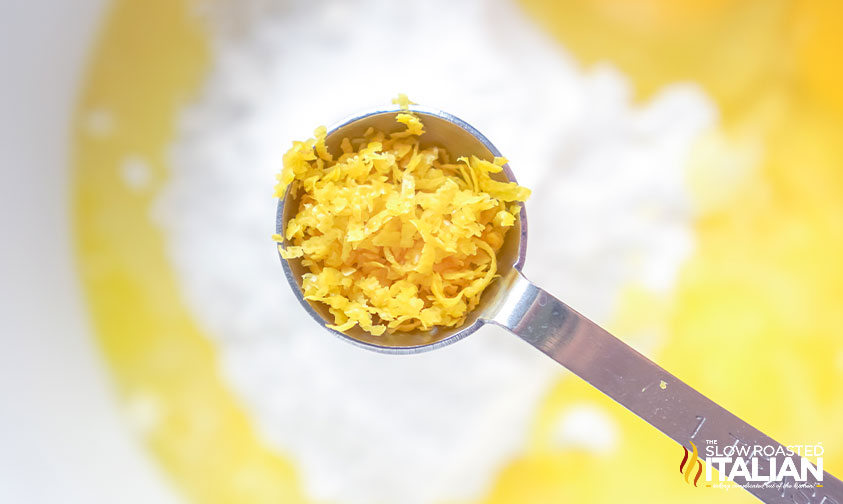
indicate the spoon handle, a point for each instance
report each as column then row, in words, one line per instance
column 655, row 395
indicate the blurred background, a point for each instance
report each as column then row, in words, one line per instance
column 685, row 160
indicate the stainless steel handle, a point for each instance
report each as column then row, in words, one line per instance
column 640, row 385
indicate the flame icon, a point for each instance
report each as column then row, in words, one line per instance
column 687, row 466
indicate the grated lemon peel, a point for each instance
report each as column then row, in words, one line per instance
column 395, row 237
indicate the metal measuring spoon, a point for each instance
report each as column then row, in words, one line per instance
column 524, row 309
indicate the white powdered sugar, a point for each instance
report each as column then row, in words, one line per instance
column 610, row 208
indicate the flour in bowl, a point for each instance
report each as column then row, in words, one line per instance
column 609, row 209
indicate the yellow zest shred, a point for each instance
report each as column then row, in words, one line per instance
column 395, row 237
column 403, row 101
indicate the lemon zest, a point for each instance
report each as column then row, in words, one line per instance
column 394, row 236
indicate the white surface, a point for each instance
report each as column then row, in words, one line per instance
column 61, row 440
column 609, row 209
column 586, row 426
